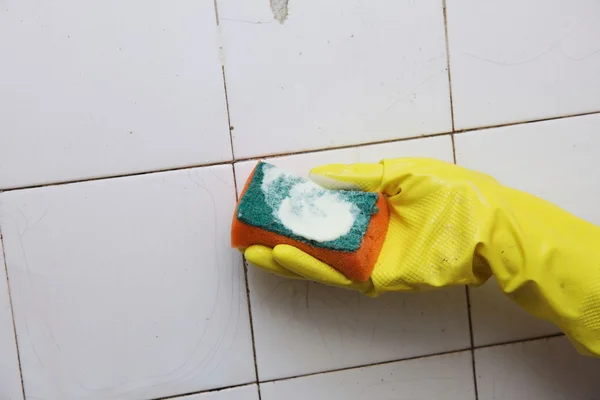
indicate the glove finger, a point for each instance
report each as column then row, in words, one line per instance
column 360, row 176
column 262, row 257
column 389, row 176
column 295, row 260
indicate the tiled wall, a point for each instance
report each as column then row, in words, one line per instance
column 126, row 127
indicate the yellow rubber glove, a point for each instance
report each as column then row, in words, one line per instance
column 453, row 226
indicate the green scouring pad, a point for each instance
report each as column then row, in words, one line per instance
column 291, row 198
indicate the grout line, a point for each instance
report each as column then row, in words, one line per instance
column 453, row 148
column 245, row 264
column 532, row 339
column 125, row 175
column 12, row 315
column 235, row 186
column 216, row 12
column 229, row 126
column 267, row 156
column 182, row 396
column 344, row 147
column 448, row 65
column 471, row 336
column 222, row 59
column 531, row 121
column 449, row 79
column 444, row 353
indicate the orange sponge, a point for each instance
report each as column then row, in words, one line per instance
column 256, row 221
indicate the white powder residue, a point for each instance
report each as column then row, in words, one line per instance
column 307, row 210
column 280, row 10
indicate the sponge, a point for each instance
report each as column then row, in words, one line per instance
column 344, row 229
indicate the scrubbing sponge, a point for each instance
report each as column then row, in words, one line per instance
column 344, row 229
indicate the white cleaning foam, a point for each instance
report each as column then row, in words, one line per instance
column 270, row 175
column 307, row 209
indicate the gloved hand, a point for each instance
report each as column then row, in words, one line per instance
column 452, row 226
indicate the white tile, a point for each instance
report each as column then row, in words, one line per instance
column 126, row 288
column 249, row 392
column 517, row 60
column 10, row 378
column 108, row 88
column 302, row 327
column 335, row 73
column 548, row 369
column 554, row 160
column 443, row 377
column 497, row 319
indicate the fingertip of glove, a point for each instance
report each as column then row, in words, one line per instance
column 331, row 183
column 258, row 254
column 283, row 251
column 257, row 249
column 359, row 176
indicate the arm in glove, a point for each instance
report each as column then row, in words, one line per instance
column 453, row 226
